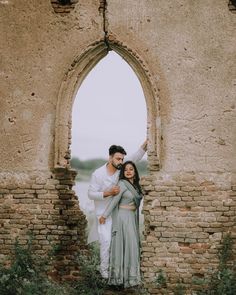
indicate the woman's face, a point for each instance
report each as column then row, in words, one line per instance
column 129, row 172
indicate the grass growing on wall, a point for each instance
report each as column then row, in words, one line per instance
column 223, row 280
column 27, row 275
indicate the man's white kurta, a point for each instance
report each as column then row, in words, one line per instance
column 101, row 181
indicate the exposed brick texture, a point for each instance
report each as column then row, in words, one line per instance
column 48, row 209
column 186, row 217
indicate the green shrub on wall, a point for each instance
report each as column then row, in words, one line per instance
column 219, row 282
column 27, row 274
column 223, row 280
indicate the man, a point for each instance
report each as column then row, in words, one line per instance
column 103, row 186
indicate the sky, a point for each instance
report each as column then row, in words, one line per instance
column 109, row 108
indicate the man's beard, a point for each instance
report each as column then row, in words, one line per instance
column 118, row 167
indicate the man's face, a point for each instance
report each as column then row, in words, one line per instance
column 117, row 160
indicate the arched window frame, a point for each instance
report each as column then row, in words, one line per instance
column 74, row 77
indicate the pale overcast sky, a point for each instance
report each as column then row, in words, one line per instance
column 109, row 108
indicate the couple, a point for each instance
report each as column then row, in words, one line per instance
column 116, row 208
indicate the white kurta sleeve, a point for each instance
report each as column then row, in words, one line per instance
column 94, row 190
column 137, row 156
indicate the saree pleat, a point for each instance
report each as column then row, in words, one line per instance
column 124, row 265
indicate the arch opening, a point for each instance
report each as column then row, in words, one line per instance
column 109, row 108
column 73, row 79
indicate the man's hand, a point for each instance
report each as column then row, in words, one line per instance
column 115, row 190
column 112, row 192
column 102, row 220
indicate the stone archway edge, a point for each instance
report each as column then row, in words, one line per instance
column 74, row 77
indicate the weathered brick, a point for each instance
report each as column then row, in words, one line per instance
column 37, row 186
column 204, row 203
column 187, row 189
column 181, row 194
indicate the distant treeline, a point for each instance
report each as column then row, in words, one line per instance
column 86, row 167
column 90, row 164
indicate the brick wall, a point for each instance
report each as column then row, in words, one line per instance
column 186, row 216
column 46, row 206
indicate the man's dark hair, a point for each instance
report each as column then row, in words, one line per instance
column 116, row 149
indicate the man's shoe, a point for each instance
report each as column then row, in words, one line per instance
column 104, row 275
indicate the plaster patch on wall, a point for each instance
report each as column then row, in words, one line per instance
column 26, row 114
column 4, row 2
column 45, row 141
column 19, row 179
column 158, row 122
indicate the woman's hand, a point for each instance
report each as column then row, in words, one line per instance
column 102, row 220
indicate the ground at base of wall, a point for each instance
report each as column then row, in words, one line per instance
column 121, row 292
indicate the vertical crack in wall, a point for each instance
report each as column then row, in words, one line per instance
column 103, row 11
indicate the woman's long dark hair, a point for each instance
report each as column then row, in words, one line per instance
column 136, row 176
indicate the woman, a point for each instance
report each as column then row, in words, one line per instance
column 124, row 265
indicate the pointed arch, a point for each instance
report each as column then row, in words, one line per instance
column 74, row 77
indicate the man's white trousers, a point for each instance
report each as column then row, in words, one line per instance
column 104, row 234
